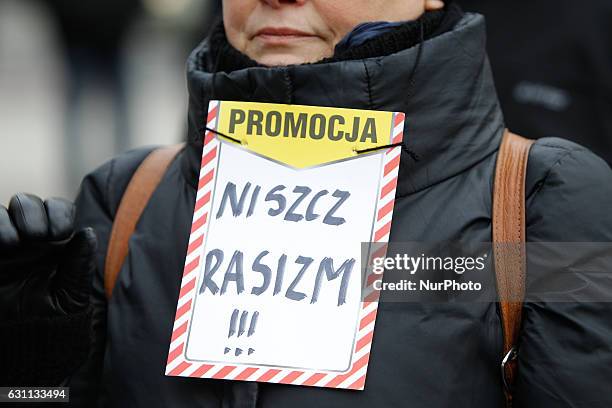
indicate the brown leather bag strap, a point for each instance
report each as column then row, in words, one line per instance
column 509, row 246
column 137, row 194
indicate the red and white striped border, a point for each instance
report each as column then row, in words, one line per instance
column 178, row 365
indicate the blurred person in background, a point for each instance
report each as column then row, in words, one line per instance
column 420, row 57
column 552, row 62
column 93, row 35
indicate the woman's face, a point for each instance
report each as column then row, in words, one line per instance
column 285, row 32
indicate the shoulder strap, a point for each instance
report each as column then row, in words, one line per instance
column 509, row 245
column 137, row 194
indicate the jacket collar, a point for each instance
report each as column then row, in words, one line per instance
column 453, row 119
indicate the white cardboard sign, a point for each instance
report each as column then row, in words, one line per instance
column 272, row 289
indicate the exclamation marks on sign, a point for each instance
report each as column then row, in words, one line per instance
column 238, row 327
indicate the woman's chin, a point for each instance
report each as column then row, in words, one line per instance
column 294, row 57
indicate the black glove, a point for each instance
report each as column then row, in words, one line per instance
column 46, row 270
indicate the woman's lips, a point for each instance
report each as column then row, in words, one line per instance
column 281, row 35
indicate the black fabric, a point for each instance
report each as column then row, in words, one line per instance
column 423, row 355
column 553, row 68
column 43, row 351
column 94, row 24
column 408, row 35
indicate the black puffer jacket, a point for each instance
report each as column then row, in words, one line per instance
column 423, row 355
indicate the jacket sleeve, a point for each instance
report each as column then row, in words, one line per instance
column 42, row 351
column 97, row 203
column 565, row 355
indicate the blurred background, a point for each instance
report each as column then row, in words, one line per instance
column 81, row 80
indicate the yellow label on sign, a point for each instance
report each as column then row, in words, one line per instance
column 304, row 136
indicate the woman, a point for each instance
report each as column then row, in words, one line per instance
column 431, row 65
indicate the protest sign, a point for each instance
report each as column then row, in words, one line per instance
column 272, row 285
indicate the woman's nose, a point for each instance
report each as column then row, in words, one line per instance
column 280, row 3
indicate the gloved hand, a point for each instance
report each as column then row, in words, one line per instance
column 46, row 271
column 45, row 268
